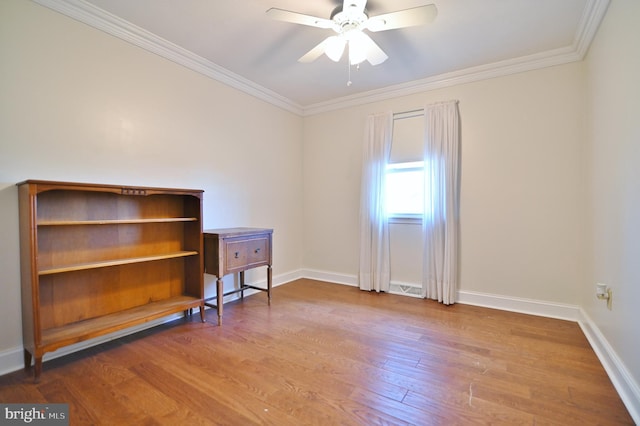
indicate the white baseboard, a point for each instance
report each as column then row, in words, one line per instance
column 331, row 277
column 11, row 360
column 539, row 308
column 622, row 380
column 505, row 303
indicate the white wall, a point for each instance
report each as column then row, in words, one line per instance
column 522, row 207
column 79, row 105
column 613, row 70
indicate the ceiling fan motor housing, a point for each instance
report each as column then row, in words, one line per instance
column 348, row 20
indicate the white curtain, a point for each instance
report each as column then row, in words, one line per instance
column 441, row 224
column 374, row 271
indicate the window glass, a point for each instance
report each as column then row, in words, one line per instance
column 405, row 175
column 405, row 189
column 407, row 138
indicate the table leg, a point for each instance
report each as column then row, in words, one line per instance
column 269, row 284
column 202, row 318
column 242, row 285
column 219, row 299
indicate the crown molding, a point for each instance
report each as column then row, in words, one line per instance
column 592, row 16
column 93, row 16
column 467, row 75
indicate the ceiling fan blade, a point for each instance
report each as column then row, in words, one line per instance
column 299, row 18
column 314, row 53
column 332, row 46
column 403, row 18
column 355, row 5
column 362, row 47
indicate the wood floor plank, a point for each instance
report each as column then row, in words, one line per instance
column 98, row 397
column 57, row 391
column 147, row 399
column 189, row 395
column 325, row 354
column 403, row 413
column 464, row 408
column 254, row 405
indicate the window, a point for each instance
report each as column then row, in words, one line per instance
column 405, row 190
column 404, row 174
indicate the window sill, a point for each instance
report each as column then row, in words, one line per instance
column 405, row 220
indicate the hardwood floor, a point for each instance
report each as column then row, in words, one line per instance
column 326, row 354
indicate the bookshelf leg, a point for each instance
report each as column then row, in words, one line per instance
column 37, row 369
column 202, row 319
column 27, row 359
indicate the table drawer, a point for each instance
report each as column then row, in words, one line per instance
column 244, row 254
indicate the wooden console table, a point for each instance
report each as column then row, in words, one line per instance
column 232, row 250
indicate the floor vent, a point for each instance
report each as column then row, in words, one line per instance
column 405, row 289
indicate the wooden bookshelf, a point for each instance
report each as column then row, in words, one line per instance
column 101, row 258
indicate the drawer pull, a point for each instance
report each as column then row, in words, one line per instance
column 237, row 254
column 257, row 250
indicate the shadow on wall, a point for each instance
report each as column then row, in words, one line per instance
column 11, row 332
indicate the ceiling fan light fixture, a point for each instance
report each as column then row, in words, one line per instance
column 357, row 50
column 356, row 57
column 335, row 47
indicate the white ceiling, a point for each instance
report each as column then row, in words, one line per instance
column 238, row 44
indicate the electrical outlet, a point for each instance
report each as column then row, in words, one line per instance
column 604, row 293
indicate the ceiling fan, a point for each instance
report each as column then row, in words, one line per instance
column 349, row 21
